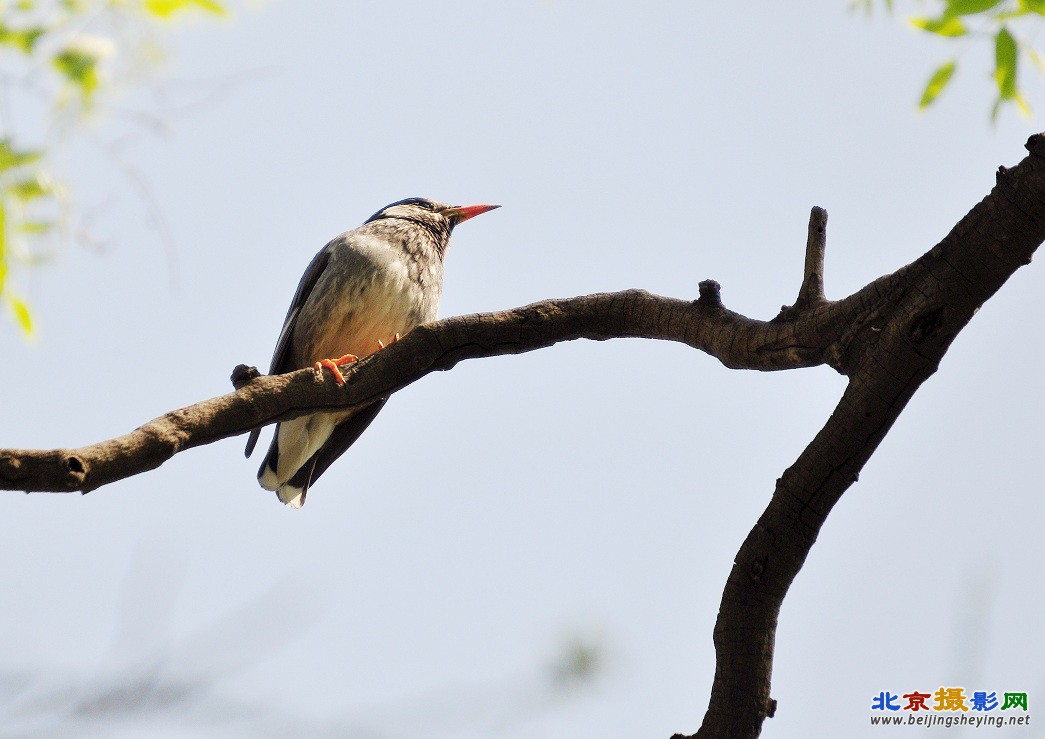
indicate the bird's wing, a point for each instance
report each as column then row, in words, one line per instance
column 340, row 439
column 281, row 356
column 344, row 436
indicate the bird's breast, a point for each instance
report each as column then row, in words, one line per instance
column 366, row 301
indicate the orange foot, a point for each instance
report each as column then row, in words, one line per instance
column 334, row 365
column 381, row 344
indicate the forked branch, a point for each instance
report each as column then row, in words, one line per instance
column 887, row 355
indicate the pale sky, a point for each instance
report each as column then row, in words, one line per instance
column 591, row 492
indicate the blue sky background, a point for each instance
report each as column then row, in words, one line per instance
column 498, row 515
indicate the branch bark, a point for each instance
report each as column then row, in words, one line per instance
column 704, row 324
column 812, row 290
column 889, row 356
column 888, row 338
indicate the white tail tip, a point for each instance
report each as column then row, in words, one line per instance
column 293, row 497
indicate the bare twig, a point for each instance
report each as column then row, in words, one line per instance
column 812, row 290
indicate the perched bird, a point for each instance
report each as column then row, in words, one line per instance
column 361, row 292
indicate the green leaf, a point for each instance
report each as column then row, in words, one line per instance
column 22, row 39
column 945, row 26
column 1005, row 57
column 212, row 6
column 167, row 8
column 969, row 7
column 11, row 157
column 22, row 314
column 1023, row 106
column 30, row 188
column 1035, row 57
column 35, row 227
column 80, row 67
column 937, row 82
column 1033, row 6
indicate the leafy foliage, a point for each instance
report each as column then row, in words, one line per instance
column 992, row 19
column 80, row 67
column 167, row 8
column 23, row 39
column 949, row 26
column 23, row 181
column 937, row 82
column 52, row 36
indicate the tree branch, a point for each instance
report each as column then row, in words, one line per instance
column 736, row 341
column 888, row 338
column 812, row 290
column 889, row 357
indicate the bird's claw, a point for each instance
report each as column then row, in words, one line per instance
column 334, row 365
column 381, row 344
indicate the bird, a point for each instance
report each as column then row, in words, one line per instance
column 364, row 290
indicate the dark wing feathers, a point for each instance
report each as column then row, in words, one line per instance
column 344, row 436
column 281, row 356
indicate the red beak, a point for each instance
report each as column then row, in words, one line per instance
column 461, row 213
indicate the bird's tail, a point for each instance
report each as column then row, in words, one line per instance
column 291, row 496
column 267, row 477
column 290, row 492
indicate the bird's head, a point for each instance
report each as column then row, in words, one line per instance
column 439, row 218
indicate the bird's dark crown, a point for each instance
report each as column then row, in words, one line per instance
column 423, row 207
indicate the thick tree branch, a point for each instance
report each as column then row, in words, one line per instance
column 888, row 338
column 737, row 341
column 889, row 357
